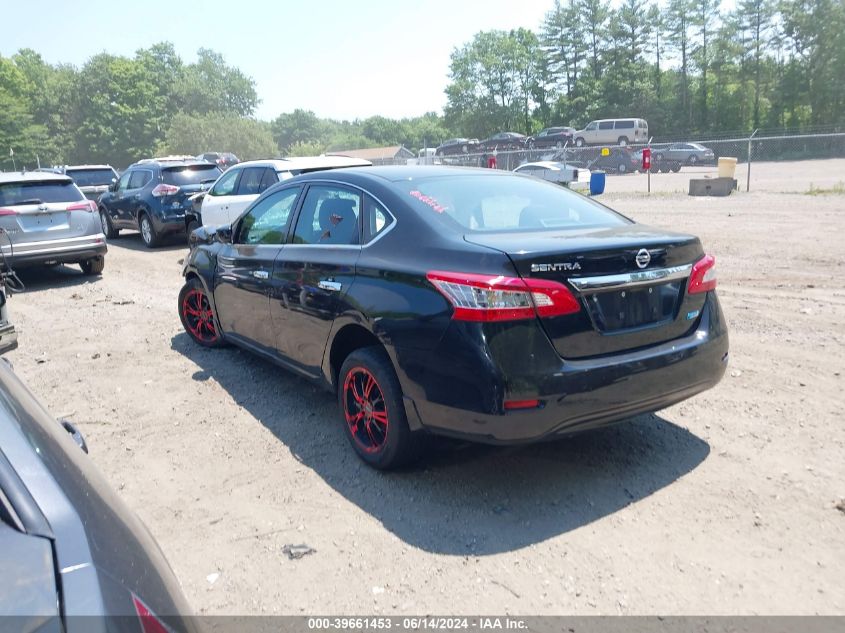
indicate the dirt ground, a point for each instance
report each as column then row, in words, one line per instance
column 725, row 504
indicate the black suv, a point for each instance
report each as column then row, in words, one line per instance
column 153, row 196
column 223, row 160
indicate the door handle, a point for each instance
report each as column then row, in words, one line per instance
column 328, row 284
column 260, row 274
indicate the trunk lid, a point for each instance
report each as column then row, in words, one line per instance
column 625, row 305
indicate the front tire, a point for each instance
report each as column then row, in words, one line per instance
column 193, row 225
column 108, row 228
column 579, row 142
column 622, row 141
column 93, row 266
column 197, row 316
column 373, row 411
column 149, row 236
column 622, row 168
column 692, row 160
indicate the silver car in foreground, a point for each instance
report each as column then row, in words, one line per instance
column 46, row 220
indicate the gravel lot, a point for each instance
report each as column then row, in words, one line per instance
column 725, row 504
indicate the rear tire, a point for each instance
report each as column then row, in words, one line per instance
column 373, row 412
column 692, row 161
column 622, row 141
column 108, row 228
column 622, row 168
column 197, row 316
column 676, row 167
column 193, row 225
column 93, row 266
column 149, row 236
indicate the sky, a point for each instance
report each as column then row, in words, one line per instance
column 342, row 60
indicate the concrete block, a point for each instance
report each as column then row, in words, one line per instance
column 711, row 186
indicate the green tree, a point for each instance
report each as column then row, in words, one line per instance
column 192, row 134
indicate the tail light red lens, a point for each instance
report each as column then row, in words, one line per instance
column 149, row 621
column 512, row 405
column 8, row 212
column 165, row 190
column 88, row 205
column 498, row 298
column 703, row 275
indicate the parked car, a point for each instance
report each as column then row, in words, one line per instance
column 551, row 137
column 457, row 146
column 474, row 303
column 684, row 154
column 235, row 189
column 504, row 141
column 621, row 160
column 223, row 160
column 92, row 180
column 613, row 131
column 46, row 220
column 560, row 173
column 153, row 196
column 69, row 547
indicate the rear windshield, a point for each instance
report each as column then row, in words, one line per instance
column 190, row 175
column 19, row 193
column 91, row 177
column 506, row 203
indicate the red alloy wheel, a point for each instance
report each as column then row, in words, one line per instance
column 198, row 316
column 365, row 410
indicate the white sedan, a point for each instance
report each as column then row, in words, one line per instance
column 238, row 186
column 561, row 173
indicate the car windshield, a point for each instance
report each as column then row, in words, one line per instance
column 91, row 177
column 508, row 203
column 22, row 193
column 190, row 175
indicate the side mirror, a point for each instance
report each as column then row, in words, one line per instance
column 113, row 185
column 224, row 234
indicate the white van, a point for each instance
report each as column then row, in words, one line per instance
column 612, row 132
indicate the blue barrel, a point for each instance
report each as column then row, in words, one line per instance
column 597, row 179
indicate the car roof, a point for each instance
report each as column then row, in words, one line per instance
column 306, row 162
column 32, row 176
column 66, row 167
column 399, row 173
column 171, row 162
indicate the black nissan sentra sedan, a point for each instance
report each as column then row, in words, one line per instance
column 472, row 303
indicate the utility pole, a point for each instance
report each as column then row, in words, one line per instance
column 748, row 173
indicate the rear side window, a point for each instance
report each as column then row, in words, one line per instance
column 624, row 125
column 22, row 193
column 250, row 181
column 190, row 175
column 606, row 125
column 91, row 177
column 329, row 216
column 268, row 179
column 376, row 219
column 509, row 203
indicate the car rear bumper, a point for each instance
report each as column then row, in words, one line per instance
column 61, row 251
column 574, row 395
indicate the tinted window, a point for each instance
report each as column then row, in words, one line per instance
column 376, row 218
column 191, row 175
column 606, row 125
column 624, row 125
column 13, row 193
column 250, row 181
column 123, row 183
column 266, row 221
column 268, row 179
column 91, row 177
column 486, row 203
column 329, row 216
column 226, row 185
column 139, row 179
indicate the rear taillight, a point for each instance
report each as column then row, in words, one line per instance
column 703, row 275
column 149, row 621
column 165, row 190
column 499, row 298
column 8, row 212
column 88, row 205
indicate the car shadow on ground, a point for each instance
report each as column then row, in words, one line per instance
column 132, row 241
column 462, row 499
column 49, row 277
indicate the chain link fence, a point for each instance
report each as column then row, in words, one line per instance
column 667, row 156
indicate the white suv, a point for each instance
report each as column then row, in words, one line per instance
column 241, row 184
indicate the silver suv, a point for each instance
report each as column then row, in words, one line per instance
column 46, row 220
